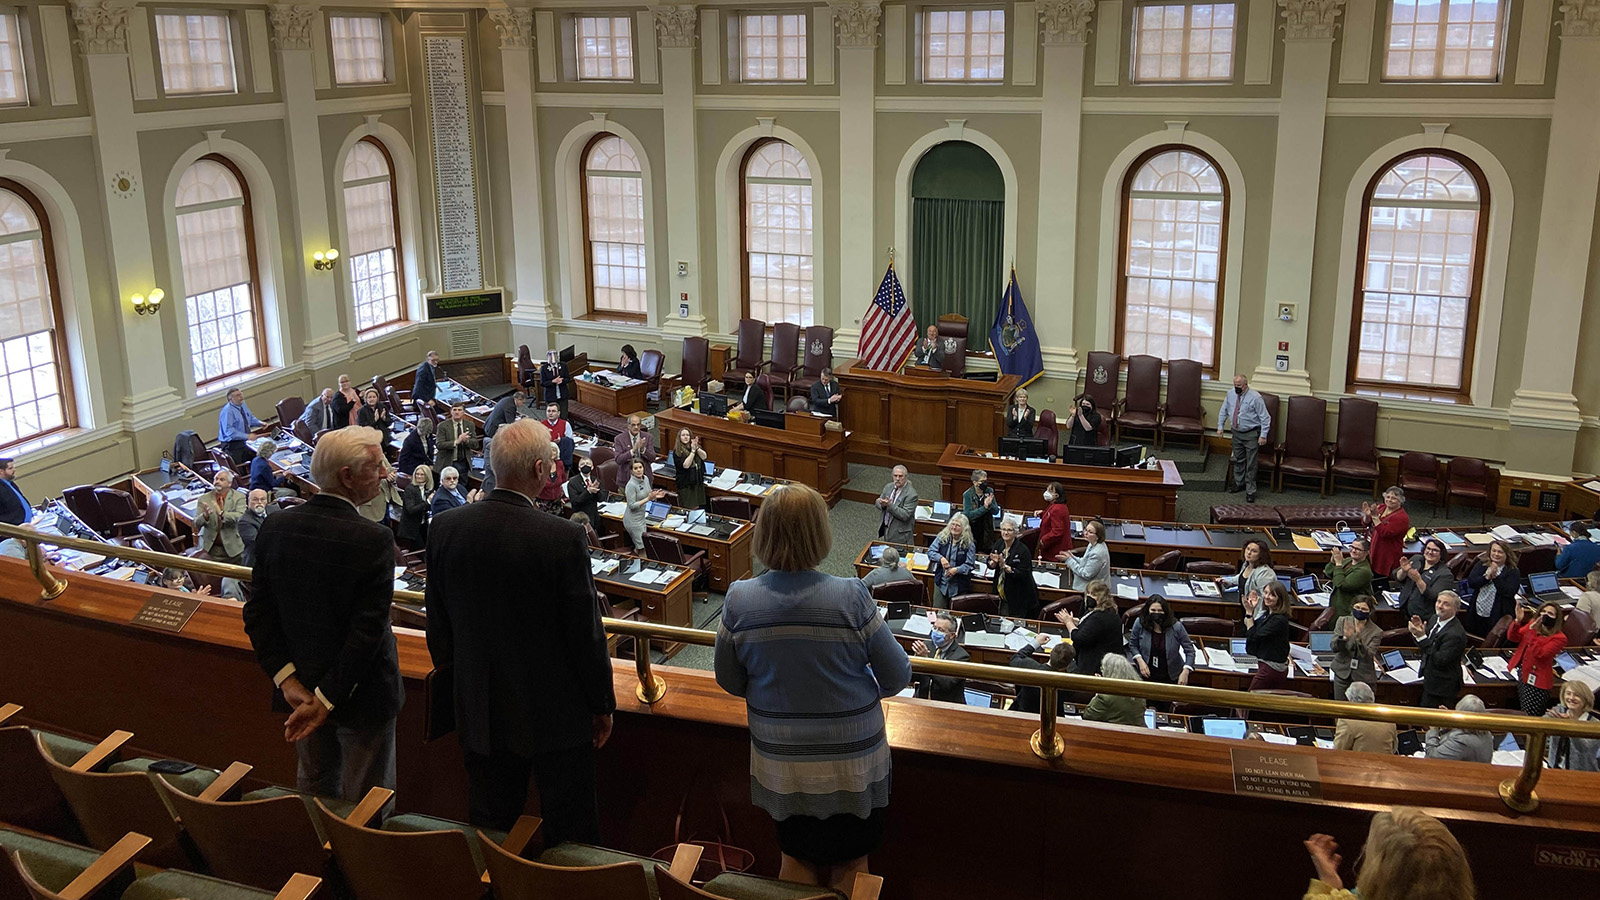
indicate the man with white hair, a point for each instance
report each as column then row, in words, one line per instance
column 216, row 519
column 533, row 695
column 898, row 506
column 318, row 617
column 1459, row 743
column 318, row 414
column 1362, row 735
column 1443, row 642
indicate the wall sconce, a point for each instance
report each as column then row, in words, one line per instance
column 148, row 304
column 323, row 261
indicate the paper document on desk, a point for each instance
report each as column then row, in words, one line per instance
column 1480, row 538
column 1222, row 659
column 1014, row 518
column 1320, row 598
column 923, row 513
column 1047, row 579
column 1274, row 738
column 1589, row 675
column 1505, row 533
column 647, row 576
column 1127, row 592
column 1325, row 540
column 1540, row 539
column 1405, row 674
column 1205, row 588
column 481, row 409
column 674, row 523
column 1305, row 542
column 981, row 569
column 1571, row 591
column 399, row 570
column 1507, row 758
column 400, row 585
column 614, row 508
column 1392, row 598
column 124, row 573
column 918, row 624
column 1177, row 589
column 1498, row 665
column 984, row 639
column 919, row 561
column 1302, row 653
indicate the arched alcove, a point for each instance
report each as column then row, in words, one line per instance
column 958, row 199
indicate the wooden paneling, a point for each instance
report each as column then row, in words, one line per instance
column 815, row 460
column 910, row 418
column 1090, row 490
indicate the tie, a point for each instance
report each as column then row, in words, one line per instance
column 327, row 416
column 1239, row 401
column 892, row 498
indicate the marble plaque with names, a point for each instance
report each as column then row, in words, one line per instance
column 1274, row 773
column 454, row 177
column 166, row 613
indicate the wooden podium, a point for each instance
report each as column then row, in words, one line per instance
column 912, row 416
column 803, row 450
column 1146, row 494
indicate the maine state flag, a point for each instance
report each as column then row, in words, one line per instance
column 1012, row 338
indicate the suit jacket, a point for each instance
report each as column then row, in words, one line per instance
column 622, row 452
column 414, row 451
column 1365, row 737
column 1116, row 710
column 1356, row 660
column 754, row 397
column 426, row 386
column 1099, row 633
column 505, row 412
column 444, row 501
column 948, row 688
column 213, row 520
column 413, row 514
column 584, row 500
column 454, row 441
column 249, row 528
column 820, row 392
column 324, row 579
column 13, row 506
column 1019, row 426
column 530, row 663
column 547, row 376
column 928, row 353
column 1441, row 658
column 902, row 513
column 1460, row 744
column 319, row 416
column 1020, row 596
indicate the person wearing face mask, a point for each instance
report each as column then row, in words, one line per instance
column 979, row 505
column 1422, row 578
column 1160, row 646
column 1245, row 413
column 1355, row 647
column 1539, row 639
column 584, row 491
column 1083, row 429
column 1098, row 634
column 1055, row 523
column 942, row 643
column 1496, row 579
column 952, row 556
column 1349, row 577
column 1577, row 754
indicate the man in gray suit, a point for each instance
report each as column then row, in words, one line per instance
column 1459, row 743
column 899, row 504
column 217, row 516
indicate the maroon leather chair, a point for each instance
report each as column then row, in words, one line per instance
column 1210, row 626
column 818, row 349
column 1419, row 475
column 1140, row 408
column 601, row 455
column 953, row 335
column 1210, row 567
column 122, row 515
column 1467, row 478
column 988, row 604
column 202, row 579
column 733, row 508
column 289, row 409
column 785, row 356
column 608, row 475
column 1304, row 454
column 650, row 365
column 1534, row 560
column 303, row 431
column 911, row 592
column 82, row 502
column 527, row 369
column 1045, row 429
column 1267, row 459
column 1100, row 383
column 668, row 549
column 1579, row 627
column 798, row 404
column 1355, row 444
column 696, row 359
column 156, row 540
column 1183, row 414
column 764, row 381
column 1170, row 561
column 751, row 355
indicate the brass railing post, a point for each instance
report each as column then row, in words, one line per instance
column 651, row 686
column 53, row 587
column 1518, row 792
column 1045, row 742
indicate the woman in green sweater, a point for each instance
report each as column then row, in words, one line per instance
column 979, row 505
column 1349, row 577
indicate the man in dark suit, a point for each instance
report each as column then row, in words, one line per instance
column 927, row 352
column 508, row 410
column 426, row 386
column 1061, row 657
column 318, row 617
column 1443, row 642
column 753, row 397
column 553, row 381
column 318, row 414
column 826, row 394
column 944, row 642
column 14, row 508
column 533, row 692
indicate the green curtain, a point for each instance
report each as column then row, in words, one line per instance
column 956, row 264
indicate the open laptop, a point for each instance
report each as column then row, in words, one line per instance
column 1236, row 649
column 1225, row 728
column 941, row 507
column 655, row 510
column 1322, row 645
column 1306, row 584
column 979, row 698
column 1392, row 659
column 1546, row 588
column 696, row 520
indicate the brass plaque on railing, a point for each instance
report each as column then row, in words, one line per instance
column 166, row 613
column 1273, row 773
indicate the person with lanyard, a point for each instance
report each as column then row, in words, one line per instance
column 1245, row 414
column 1159, row 644
column 690, row 458
column 1443, row 642
column 1423, row 578
column 980, row 507
column 1496, row 580
column 1055, row 523
column 638, row 494
column 943, row 642
column 14, row 507
column 235, row 424
column 1012, row 563
column 1095, row 563
column 1267, row 636
column 952, row 556
column 1255, row 568
column 1356, row 639
column 1389, row 524
column 553, row 380
column 1019, row 416
column 1578, row 754
column 1349, row 577
column 1540, row 639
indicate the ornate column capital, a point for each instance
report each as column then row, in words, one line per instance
column 102, row 26
column 675, row 25
column 1065, row 21
column 1580, row 18
column 856, row 21
column 1308, row 19
column 515, row 25
column 291, row 25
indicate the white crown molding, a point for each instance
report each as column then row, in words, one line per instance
column 48, row 129
column 201, row 117
column 816, row 103
column 333, row 106
column 1033, row 105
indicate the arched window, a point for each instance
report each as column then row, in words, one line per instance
column 1417, row 295
column 1174, row 213
column 35, row 383
column 218, row 249
column 613, row 227
column 371, row 212
column 776, row 200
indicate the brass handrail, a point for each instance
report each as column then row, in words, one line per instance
column 1518, row 793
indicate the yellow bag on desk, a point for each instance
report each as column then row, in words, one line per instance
column 685, row 396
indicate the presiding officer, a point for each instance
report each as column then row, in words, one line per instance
column 1245, row 414
column 533, row 690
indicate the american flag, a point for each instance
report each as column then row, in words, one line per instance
column 888, row 332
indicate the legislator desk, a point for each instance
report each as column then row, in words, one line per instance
column 726, row 541
column 618, row 401
column 803, row 450
column 669, row 602
column 1091, row 490
column 906, row 418
column 752, row 486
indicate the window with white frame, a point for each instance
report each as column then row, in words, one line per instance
column 1443, row 40
column 1173, row 220
column 778, row 231
column 1420, row 275
column 605, row 48
column 217, row 249
column 34, row 381
column 372, row 248
column 1183, row 42
column 772, row 47
column 613, row 224
column 360, row 55
column 964, row 45
column 13, row 78
column 196, row 53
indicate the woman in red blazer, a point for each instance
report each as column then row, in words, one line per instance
column 1538, row 642
column 1055, row 523
column 1389, row 524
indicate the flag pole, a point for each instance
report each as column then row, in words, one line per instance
column 891, row 257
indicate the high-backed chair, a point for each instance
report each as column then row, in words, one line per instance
column 696, row 359
column 668, row 549
column 1170, row 561
column 1100, row 383
column 1140, row 408
column 751, row 354
column 1210, row 567
column 911, row 592
column 1579, row 627
column 202, row 579
column 1183, row 414
column 601, row 454
column 818, row 350
column 1467, row 478
column 1535, row 560
column 122, row 515
column 764, row 381
column 1419, row 475
column 1210, row 626
column 1304, row 454
column 650, row 365
column 733, row 508
column 1267, row 458
column 953, row 339
column 1355, row 444
column 527, row 369
column 157, row 540
column 608, row 474
column 110, row 804
column 82, row 502
column 289, row 409
column 303, row 431
column 1047, row 431
column 799, row 405
column 785, row 356
column 989, row 604
column 1030, row 539
column 157, row 512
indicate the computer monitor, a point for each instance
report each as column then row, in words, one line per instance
column 713, row 405
column 1225, row 728
column 1032, row 522
column 1236, row 646
column 769, row 418
column 655, row 509
column 1086, row 455
column 1024, row 447
column 1149, row 718
column 941, row 507
column 695, row 517
column 569, row 353
column 1567, row 663
column 711, row 468
column 1321, row 642
column 1287, row 582
column 1128, row 457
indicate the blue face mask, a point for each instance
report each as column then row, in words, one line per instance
column 936, row 638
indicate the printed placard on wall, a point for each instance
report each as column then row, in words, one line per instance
column 471, row 303
column 454, row 177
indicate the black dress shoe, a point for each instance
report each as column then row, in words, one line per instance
column 1249, row 498
column 1236, row 489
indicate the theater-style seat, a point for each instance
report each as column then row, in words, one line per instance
column 29, row 797
column 411, row 857
column 569, row 872
column 674, row 884
column 50, row 870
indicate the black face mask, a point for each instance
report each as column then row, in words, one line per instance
column 1549, row 621
column 1159, row 619
column 1239, row 390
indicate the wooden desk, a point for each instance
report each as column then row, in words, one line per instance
column 896, row 418
column 727, row 551
column 616, row 401
column 664, row 604
column 1091, row 490
column 815, row 460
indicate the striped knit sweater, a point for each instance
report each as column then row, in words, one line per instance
column 812, row 658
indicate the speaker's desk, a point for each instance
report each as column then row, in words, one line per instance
column 911, row 416
column 1091, row 490
column 803, row 450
